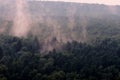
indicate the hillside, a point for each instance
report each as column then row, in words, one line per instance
column 79, row 22
column 59, row 41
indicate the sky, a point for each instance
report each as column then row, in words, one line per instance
column 108, row 2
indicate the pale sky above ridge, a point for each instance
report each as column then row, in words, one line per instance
column 108, row 2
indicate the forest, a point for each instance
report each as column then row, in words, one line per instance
column 22, row 59
column 43, row 40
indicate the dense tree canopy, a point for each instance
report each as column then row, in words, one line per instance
column 20, row 59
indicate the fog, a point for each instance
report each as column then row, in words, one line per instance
column 21, row 25
column 54, row 23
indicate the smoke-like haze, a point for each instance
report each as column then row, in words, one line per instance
column 113, row 9
column 84, row 30
column 71, row 11
column 21, row 25
column 49, row 30
column 54, row 24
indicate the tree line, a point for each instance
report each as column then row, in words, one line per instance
column 20, row 59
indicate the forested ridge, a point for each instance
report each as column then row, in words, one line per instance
column 21, row 59
column 84, row 41
column 95, row 19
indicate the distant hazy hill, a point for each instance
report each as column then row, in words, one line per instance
column 45, row 8
column 62, row 8
column 90, row 20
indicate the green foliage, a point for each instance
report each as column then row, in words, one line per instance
column 20, row 59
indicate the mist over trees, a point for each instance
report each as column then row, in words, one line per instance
column 21, row 59
column 66, row 41
column 65, row 21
